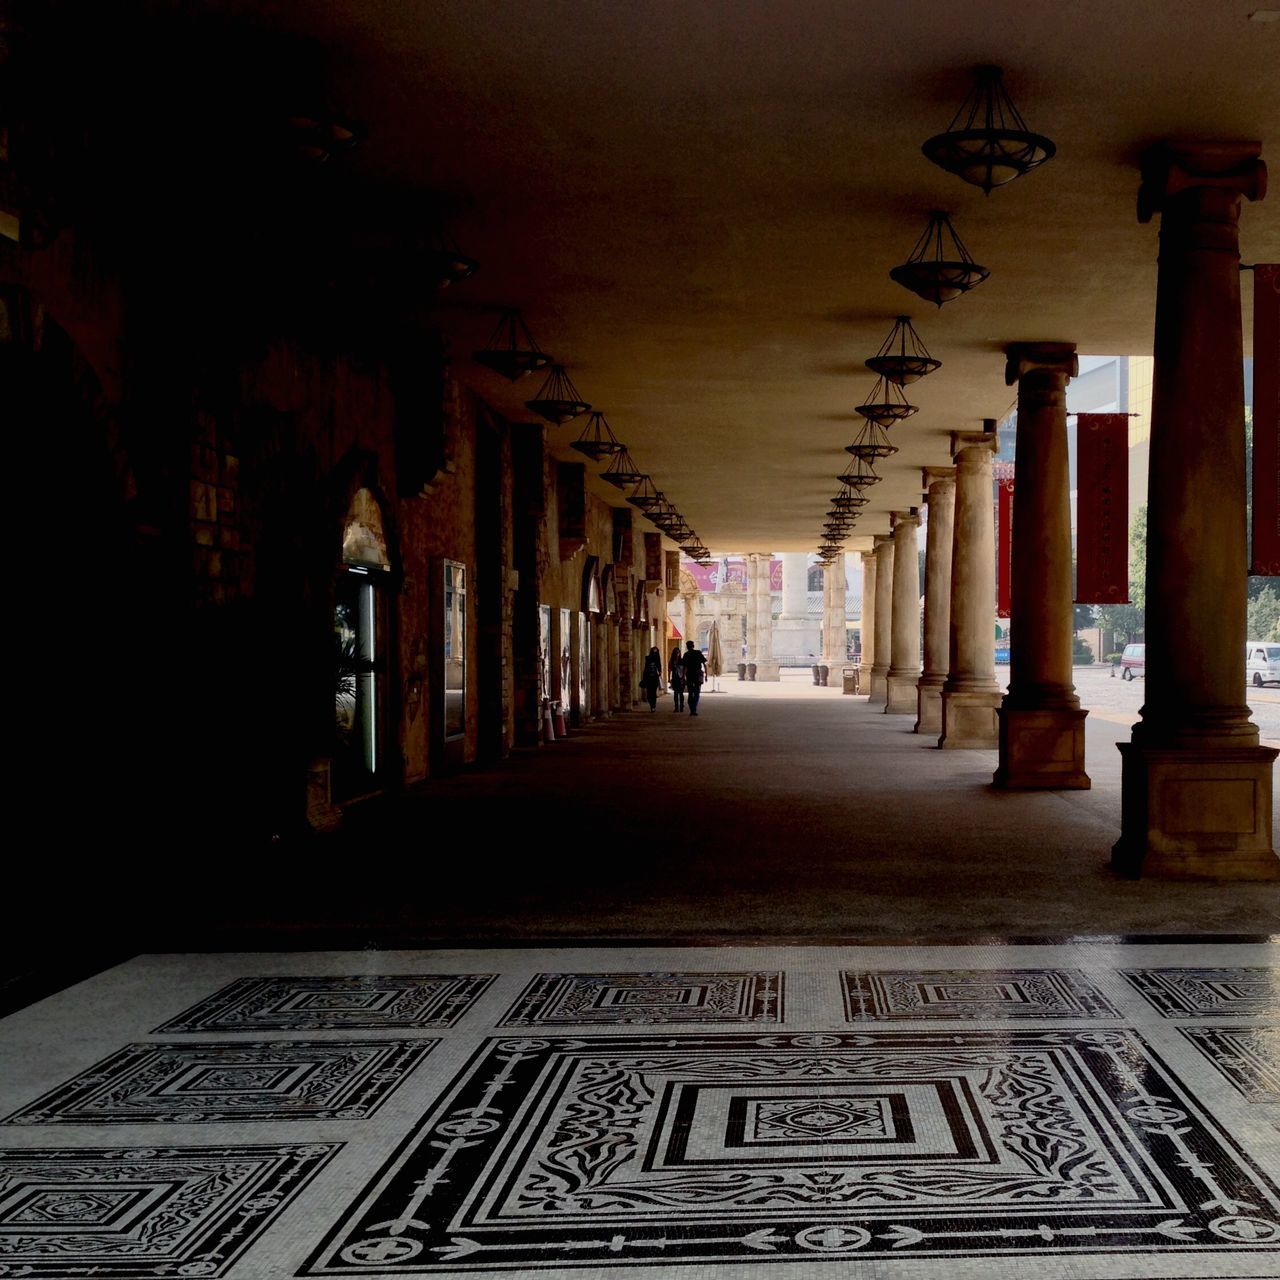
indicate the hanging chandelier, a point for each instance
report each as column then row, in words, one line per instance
column 622, row 471
column 449, row 263
column 847, row 500
column 511, row 351
column 859, row 474
column 597, row 439
column 872, row 442
column 988, row 142
column 909, row 362
column 645, row 495
column 886, row 404
column 557, row 400
column 934, row 272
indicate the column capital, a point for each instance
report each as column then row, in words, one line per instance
column 878, row 540
column 964, row 440
column 905, row 519
column 1022, row 358
column 867, row 555
column 1171, row 168
column 935, row 475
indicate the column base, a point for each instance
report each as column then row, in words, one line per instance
column 1196, row 813
column 928, row 706
column 767, row 669
column 970, row 720
column 1042, row 748
column 864, row 677
column 900, row 697
column 879, row 689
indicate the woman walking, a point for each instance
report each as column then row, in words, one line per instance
column 675, row 676
column 652, row 677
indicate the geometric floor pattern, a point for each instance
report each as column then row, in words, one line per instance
column 333, row 1004
column 275, row 1080
column 909, row 1113
column 581, row 999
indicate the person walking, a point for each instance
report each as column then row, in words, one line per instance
column 695, row 665
column 675, row 675
column 652, row 677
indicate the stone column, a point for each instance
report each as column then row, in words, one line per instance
column 867, row 623
column 904, row 662
column 940, row 493
column 971, row 693
column 1197, row 788
column 834, row 646
column 760, row 607
column 1041, row 723
column 795, row 586
column 883, row 618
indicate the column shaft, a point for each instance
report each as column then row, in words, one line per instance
column 904, row 664
column 883, row 619
column 867, row 623
column 971, row 694
column 940, row 494
column 1041, row 724
column 1197, row 788
column 833, row 628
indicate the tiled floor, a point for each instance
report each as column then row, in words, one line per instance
column 1090, row 1111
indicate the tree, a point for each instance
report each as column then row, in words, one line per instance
column 1264, row 615
column 1138, row 559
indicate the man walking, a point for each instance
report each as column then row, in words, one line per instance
column 694, row 668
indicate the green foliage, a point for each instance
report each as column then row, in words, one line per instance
column 1264, row 615
column 1081, row 652
column 1126, row 620
column 1113, row 658
column 1138, row 559
column 1082, row 617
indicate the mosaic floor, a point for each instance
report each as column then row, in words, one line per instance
column 1094, row 1111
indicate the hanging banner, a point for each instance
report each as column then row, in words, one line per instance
column 1266, row 420
column 1102, row 508
column 1004, row 546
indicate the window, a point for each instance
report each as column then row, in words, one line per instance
column 455, row 649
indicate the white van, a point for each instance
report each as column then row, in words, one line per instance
column 1261, row 663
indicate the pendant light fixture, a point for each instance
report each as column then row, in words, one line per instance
column 886, row 404
column 622, row 471
column 872, row 442
column 988, row 142
column 938, row 271
column 903, row 358
column 849, row 499
column 448, row 263
column 645, row 496
column 597, row 439
column 511, row 351
column 557, row 400
column 859, row 474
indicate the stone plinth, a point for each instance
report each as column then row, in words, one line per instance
column 970, row 720
column 1041, row 749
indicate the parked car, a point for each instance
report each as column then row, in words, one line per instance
column 1261, row 663
column 1133, row 661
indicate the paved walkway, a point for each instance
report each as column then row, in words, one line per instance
column 782, row 811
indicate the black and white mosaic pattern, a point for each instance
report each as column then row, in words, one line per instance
column 625, row 1148
column 909, row 995
column 167, row 1211
column 334, row 1003
column 1248, row 1056
column 578, row 999
column 272, row 1080
column 1208, row 993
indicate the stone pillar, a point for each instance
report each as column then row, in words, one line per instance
column 868, row 620
column 834, row 645
column 971, row 694
column 904, row 659
column 760, row 612
column 1041, row 723
column 940, row 493
column 1197, row 788
column 883, row 618
column 795, row 586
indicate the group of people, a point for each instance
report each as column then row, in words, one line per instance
column 685, row 673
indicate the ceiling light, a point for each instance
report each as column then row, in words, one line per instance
column 511, row 350
column 557, row 400
column 645, row 495
column 988, row 142
column 622, row 471
column 848, row 500
column 909, row 362
column 935, row 277
column 597, row 439
column 859, row 474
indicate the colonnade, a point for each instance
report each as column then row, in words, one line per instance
column 1197, row 789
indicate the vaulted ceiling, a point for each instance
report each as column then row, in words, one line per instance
column 697, row 204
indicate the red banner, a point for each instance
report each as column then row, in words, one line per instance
column 1266, row 420
column 1102, row 508
column 1004, row 546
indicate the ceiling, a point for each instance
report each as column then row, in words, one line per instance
column 697, row 204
